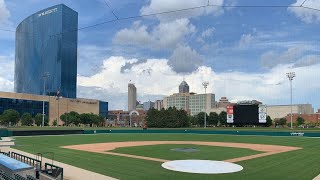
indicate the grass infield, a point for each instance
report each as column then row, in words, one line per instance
column 300, row 164
column 164, row 151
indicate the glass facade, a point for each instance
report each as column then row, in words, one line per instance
column 103, row 109
column 23, row 106
column 46, row 43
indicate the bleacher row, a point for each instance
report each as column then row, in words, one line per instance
column 4, row 176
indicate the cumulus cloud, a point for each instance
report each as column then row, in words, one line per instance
column 6, row 73
column 7, row 67
column 306, row 15
column 269, row 87
column 156, row 6
column 164, row 35
column 185, row 60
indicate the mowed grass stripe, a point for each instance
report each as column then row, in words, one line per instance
column 300, row 164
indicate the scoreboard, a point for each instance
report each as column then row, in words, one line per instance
column 246, row 114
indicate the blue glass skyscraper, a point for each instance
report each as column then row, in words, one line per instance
column 46, row 43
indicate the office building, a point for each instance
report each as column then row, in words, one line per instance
column 190, row 102
column 132, row 97
column 223, row 102
column 158, row 104
column 148, row 105
column 201, row 103
column 281, row 111
column 54, row 107
column 183, row 87
column 46, row 53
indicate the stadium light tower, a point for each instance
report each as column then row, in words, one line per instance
column 291, row 75
column 45, row 77
column 205, row 85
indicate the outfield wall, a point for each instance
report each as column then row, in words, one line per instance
column 5, row 133
column 226, row 132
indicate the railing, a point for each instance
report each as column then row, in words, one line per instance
column 28, row 160
column 4, row 153
column 53, row 170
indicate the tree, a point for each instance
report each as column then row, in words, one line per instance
column 55, row 122
column 74, row 118
column 300, row 121
column 9, row 117
column 269, row 121
column 193, row 120
column 85, row 118
column 223, row 118
column 200, row 118
column 213, row 118
column 26, row 119
column 167, row 118
column 282, row 121
column 38, row 119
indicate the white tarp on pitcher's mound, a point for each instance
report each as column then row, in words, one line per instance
column 202, row 166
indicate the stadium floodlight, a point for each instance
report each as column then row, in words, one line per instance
column 290, row 76
column 205, row 85
column 45, row 76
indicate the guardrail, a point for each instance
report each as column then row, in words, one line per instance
column 53, row 170
column 28, row 160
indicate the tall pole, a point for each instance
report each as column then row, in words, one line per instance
column 291, row 75
column 205, row 85
column 44, row 76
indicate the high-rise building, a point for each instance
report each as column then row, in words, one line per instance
column 158, row 104
column 191, row 102
column 148, row 105
column 46, row 44
column 132, row 97
column 183, row 87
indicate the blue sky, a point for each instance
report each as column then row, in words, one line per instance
column 243, row 52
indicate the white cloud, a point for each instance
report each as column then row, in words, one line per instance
column 308, row 60
column 206, row 34
column 7, row 67
column 4, row 13
column 6, row 73
column 290, row 56
column 184, row 59
column 155, row 77
column 306, row 15
column 164, row 35
column 246, row 40
column 156, row 6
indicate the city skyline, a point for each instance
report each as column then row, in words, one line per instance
column 241, row 57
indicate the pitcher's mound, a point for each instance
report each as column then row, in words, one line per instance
column 202, row 166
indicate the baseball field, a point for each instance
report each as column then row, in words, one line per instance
column 139, row 156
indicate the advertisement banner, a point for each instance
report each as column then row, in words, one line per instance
column 229, row 114
column 262, row 113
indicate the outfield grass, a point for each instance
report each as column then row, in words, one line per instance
column 163, row 151
column 300, row 164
